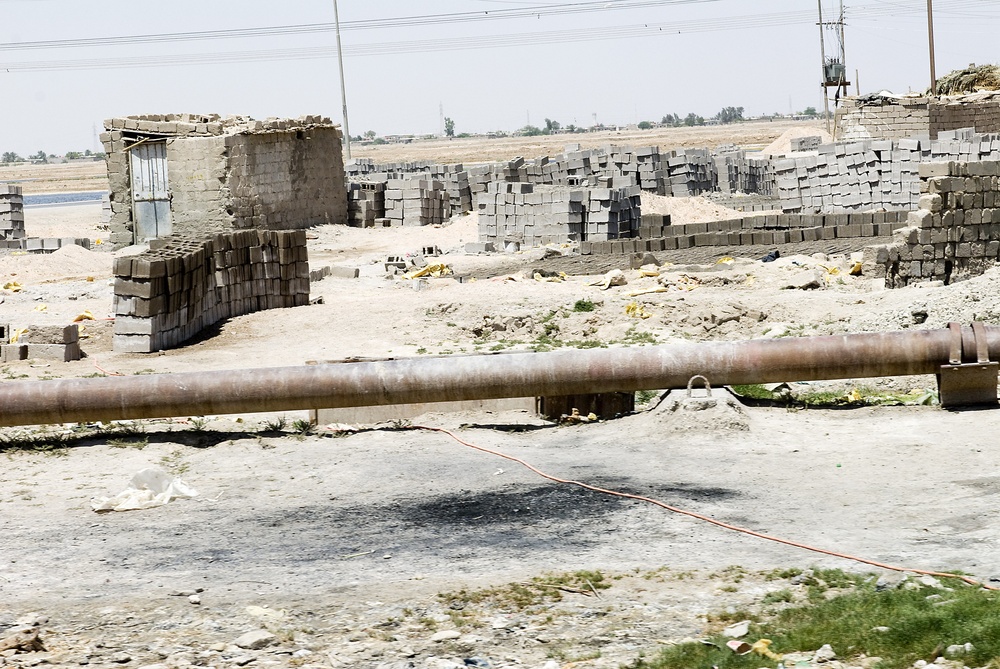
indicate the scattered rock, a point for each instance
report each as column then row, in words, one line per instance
column 958, row 649
column 810, row 279
column 121, row 657
column 929, row 581
column 445, row 635
column 24, row 639
column 256, row 640
column 824, row 654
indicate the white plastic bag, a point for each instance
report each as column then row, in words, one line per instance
column 148, row 488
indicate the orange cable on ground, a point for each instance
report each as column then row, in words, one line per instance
column 698, row 516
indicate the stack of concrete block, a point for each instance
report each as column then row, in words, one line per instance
column 613, row 213
column 691, row 173
column 11, row 216
column 806, row 143
column 11, row 352
column 653, row 226
column 745, row 202
column 531, row 215
column 756, row 230
column 365, row 203
column 456, row 184
column 414, row 201
column 52, row 342
column 955, row 234
column 641, row 165
column 185, row 284
column 52, row 244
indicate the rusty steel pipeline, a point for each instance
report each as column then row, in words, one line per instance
column 477, row 377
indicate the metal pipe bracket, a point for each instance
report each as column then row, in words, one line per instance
column 969, row 378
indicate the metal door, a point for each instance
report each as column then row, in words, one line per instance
column 150, row 194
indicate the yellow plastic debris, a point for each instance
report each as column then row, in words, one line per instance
column 725, row 261
column 856, row 269
column 98, row 242
column 42, row 307
column 636, row 310
column 637, row 293
column 17, row 334
column 13, row 286
column 85, row 316
column 832, row 271
column 559, row 278
column 751, row 280
column 761, row 648
column 853, row 396
column 436, row 270
column 644, row 273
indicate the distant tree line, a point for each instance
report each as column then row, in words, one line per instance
column 42, row 157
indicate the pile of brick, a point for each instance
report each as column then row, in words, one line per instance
column 872, row 173
column 11, row 216
column 652, row 226
column 365, row 203
column 954, row 234
column 531, row 215
column 736, row 172
column 456, row 184
column 523, row 213
column 811, row 143
column 613, row 212
column 690, row 173
column 185, row 284
column 40, row 342
column 759, row 230
column 415, row 200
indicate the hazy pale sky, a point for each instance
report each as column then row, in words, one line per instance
column 619, row 61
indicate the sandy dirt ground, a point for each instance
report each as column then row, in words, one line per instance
column 57, row 178
column 752, row 136
column 352, row 549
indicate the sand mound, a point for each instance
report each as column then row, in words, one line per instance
column 686, row 209
column 69, row 262
column 784, row 143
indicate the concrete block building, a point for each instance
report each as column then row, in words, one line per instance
column 888, row 116
column 191, row 174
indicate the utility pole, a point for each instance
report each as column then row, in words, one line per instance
column 930, row 40
column 343, row 86
column 822, row 51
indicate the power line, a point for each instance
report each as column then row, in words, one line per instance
column 365, row 24
column 425, row 46
column 515, row 40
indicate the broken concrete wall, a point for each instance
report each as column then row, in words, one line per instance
column 287, row 179
column 954, row 234
column 185, row 283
